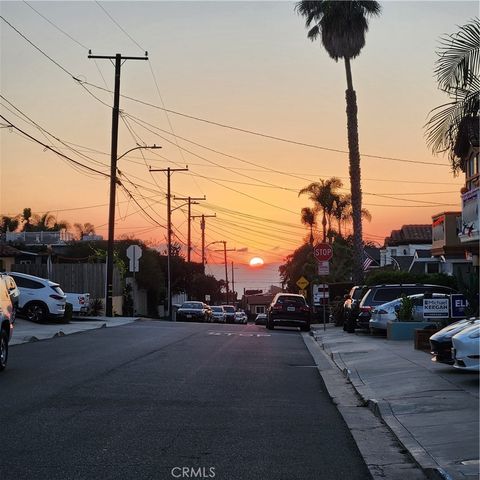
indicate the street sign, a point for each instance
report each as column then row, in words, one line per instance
column 134, row 252
column 459, row 304
column 302, row 283
column 323, row 268
column 323, row 252
column 207, row 298
column 320, row 294
column 436, row 307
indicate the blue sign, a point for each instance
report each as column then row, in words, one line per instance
column 459, row 304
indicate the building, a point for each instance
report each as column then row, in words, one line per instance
column 400, row 247
column 467, row 150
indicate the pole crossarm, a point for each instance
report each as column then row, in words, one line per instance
column 202, row 226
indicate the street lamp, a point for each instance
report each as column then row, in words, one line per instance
column 225, row 261
column 111, row 228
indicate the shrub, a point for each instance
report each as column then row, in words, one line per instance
column 96, row 306
column 405, row 313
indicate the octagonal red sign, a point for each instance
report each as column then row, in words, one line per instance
column 323, row 252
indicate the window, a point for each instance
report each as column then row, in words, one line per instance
column 27, row 283
column 259, row 309
column 393, row 252
column 432, row 268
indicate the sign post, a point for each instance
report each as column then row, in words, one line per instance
column 323, row 252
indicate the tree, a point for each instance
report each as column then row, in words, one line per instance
column 308, row 218
column 457, row 70
column 342, row 26
column 26, row 219
column 9, row 224
column 343, row 213
column 324, row 195
column 83, row 229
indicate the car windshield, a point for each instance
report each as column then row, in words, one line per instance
column 217, row 309
column 192, row 305
column 290, row 299
column 229, row 309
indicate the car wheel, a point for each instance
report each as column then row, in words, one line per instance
column 3, row 350
column 269, row 325
column 36, row 312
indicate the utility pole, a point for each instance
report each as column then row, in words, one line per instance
column 233, row 284
column 113, row 174
column 225, row 261
column 202, row 226
column 169, row 171
column 191, row 201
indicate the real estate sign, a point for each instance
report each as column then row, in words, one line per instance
column 436, row 307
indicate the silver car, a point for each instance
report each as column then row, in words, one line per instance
column 382, row 314
column 218, row 314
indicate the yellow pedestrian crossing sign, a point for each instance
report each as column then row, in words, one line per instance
column 302, row 283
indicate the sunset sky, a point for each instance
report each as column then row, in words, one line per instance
column 247, row 65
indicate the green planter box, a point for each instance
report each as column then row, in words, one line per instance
column 405, row 330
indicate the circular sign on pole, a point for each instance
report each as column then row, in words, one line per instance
column 323, row 252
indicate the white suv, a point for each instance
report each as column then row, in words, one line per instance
column 40, row 298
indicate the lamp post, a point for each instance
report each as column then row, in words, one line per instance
column 111, row 229
column 225, row 261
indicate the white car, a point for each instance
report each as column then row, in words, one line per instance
column 466, row 348
column 80, row 302
column 40, row 298
column 240, row 317
column 218, row 314
column 382, row 314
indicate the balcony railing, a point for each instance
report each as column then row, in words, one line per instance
column 39, row 238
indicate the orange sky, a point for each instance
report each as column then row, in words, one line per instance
column 247, row 65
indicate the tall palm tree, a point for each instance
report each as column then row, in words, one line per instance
column 85, row 229
column 323, row 194
column 308, row 218
column 342, row 26
column 343, row 212
column 457, row 70
column 9, row 224
column 27, row 220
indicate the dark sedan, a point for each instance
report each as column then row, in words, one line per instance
column 289, row 310
column 441, row 342
column 194, row 312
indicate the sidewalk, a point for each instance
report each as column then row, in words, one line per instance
column 25, row 331
column 433, row 409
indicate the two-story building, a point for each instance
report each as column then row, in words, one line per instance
column 467, row 150
column 400, row 247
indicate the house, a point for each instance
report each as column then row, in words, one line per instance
column 467, row 150
column 255, row 304
column 400, row 247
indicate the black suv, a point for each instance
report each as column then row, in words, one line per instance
column 289, row 310
column 380, row 294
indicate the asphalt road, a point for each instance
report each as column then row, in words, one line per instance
column 158, row 400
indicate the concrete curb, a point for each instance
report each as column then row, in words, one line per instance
column 383, row 411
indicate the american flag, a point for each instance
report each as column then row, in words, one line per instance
column 367, row 262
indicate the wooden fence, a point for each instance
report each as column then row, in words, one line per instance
column 76, row 277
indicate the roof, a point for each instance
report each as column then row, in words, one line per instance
column 8, row 251
column 416, row 234
column 373, row 253
column 403, row 262
column 259, row 299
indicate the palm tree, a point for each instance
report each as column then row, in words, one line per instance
column 324, row 195
column 26, row 218
column 85, row 229
column 9, row 224
column 308, row 218
column 343, row 212
column 342, row 26
column 457, row 70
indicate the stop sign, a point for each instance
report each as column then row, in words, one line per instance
column 323, row 252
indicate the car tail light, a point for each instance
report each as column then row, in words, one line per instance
column 57, row 297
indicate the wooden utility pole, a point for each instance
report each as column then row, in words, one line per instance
column 202, row 226
column 169, row 172
column 191, row 201
column 113, row 174
column 226, row 264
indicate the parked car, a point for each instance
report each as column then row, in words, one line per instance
column 240, row 317
column 387, row 312
column 230, row 313
column 441, row 342
column 194, row 312
column 218, row 314
column 466, row 348
column 289, row 309
column 80, row 302
column 7, row 318
column 261, row 319
column 40, row 299
column 380, row 294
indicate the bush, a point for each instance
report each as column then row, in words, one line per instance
column 96, row 307
column 405, row 313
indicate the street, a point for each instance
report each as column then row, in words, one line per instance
column 159, row 400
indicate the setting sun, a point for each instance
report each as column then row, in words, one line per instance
column 256, row 262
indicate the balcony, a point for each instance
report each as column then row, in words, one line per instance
column 39, row 238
